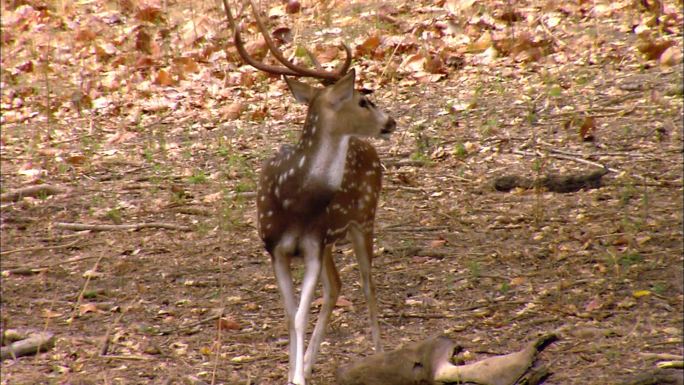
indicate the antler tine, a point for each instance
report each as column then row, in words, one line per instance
column 342, row 68
column 240, row 46
column 301, row 71
column 347, row 61
column 290, row 68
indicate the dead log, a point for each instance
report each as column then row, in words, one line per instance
column 552, row 182
column 35, row 343
column 428, row 363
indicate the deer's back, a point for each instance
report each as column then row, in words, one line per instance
column 297, row 209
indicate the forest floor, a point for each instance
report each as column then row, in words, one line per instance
column 140, row 112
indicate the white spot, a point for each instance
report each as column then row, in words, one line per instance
column 287, row 203
column 269, row 213
column 291, row 172
column 301, row 161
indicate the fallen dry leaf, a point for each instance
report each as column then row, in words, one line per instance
column 368, row 46
column 150, row 14
column 652, row 49
column 47, row 313
column 672, row 56
column 163, row 78
column 518, row 281
column 231, row 111
column 587, row 129
column 87, row 308
column 224, row 323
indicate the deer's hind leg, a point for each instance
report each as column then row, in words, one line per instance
column 331, row 291
column 362, row 241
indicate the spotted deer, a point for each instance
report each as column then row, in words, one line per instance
column 317, row 192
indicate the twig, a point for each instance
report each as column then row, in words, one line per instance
column 550, row 147
column 194, row 324
column 404, row 162
column 661, row 356
column 39, row 248
column 24, row 269
column 389, row 60
column 105, row 343
column 79, row 137
column 30, row 191
column 135, row 226
column 551, row 35
column 155, row 122
column 243, row 194
column 415, row 229
column 130, row 358
column 79, row 299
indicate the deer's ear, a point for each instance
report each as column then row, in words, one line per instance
column 303, row 92
column 343, row 90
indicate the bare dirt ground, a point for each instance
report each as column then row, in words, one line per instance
column 166, row 128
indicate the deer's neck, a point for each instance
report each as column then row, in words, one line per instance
column 324, row 155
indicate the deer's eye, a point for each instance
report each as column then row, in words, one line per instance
column 363, row 103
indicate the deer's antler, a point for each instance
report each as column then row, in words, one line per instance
column 290, row 69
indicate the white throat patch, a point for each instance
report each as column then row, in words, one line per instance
column 328, row 162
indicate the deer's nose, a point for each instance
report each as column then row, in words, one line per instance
column 389, row 127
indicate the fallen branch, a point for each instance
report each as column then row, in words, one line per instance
column 30, row 191
column 657, row 377
column 39, row 248
column 135, row 226
column 555, row 154
column 662, row 356
column 35, row 343
column 23, row 271
column 28, row 270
